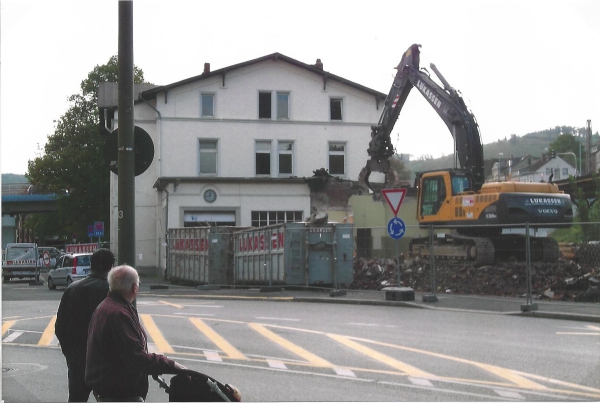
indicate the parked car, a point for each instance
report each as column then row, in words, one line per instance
column 69, row 268
column 50, row 261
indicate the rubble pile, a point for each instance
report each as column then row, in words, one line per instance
column 565, row 280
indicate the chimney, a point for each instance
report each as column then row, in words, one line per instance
column 206, row 68
column 319, row 64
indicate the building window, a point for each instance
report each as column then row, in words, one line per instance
column 283, row 105
column 337, row 158
column 335, row 107
column 548, row 171
column 208, row 105
column 264, row 105
column 565, row 172
column 263, row 158
column 263, row 218
column 285, row 157
column 208, row 157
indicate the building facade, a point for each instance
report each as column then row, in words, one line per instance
column 235, row 146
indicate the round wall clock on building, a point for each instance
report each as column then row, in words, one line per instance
column 210, row 195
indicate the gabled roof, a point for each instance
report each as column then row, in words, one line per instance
column 151, row 93
column 540, row 164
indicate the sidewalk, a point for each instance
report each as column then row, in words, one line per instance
column 579, row 311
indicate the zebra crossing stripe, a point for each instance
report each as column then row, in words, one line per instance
column 307, row 355
column 7, row 325
column 161, row 344
column 219, row 341
column 392, row 362
column 11, row 337
column 48, row 334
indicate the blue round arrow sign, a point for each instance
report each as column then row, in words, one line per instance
column 396, row 228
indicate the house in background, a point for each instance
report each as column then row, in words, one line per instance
column 531, row 169
column 540, row 170
column 237, row 146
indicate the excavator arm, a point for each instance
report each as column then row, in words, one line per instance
column 445, row 101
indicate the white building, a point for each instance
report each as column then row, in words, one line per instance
column 234, row 146
column 541, row 170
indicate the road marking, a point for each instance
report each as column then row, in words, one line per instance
column 285, row 319
column 562, row 383
column 213, row 356
column 194, row 314
column 7, row 325
column 579, row 333
column 10, row 317
column 420, row 381
column 596, row 329
column 510, row 394
column 11, row 337
column 307, row 355
column 344, row 372
column 161, row 344
column 276, row 364
column 171, row 304
column 507, row 374
column 48, row 334
column 223, row 344
column 392, row 362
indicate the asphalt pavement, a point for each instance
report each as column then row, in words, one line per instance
column 541, row 308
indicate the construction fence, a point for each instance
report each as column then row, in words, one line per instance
column 557, row 263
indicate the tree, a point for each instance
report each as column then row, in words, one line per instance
column 566, row 143
column 71, row 163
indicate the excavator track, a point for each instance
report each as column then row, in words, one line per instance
column 481, row 251
column 454, row 248
column 543, row 249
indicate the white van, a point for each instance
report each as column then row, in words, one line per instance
column 21, row 260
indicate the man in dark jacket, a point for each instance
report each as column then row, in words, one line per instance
column 77, row 304
column 118, row 362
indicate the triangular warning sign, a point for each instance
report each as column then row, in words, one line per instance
column 394, row 197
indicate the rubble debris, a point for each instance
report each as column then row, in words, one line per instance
column 564, row 280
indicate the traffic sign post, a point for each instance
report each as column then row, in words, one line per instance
column 396, row 230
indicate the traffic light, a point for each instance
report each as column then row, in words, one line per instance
column 553, row 154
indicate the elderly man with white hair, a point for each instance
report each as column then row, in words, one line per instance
column 118, row 362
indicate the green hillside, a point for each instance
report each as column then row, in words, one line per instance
column 534, row 144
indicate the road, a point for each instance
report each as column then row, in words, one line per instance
column 291, row 351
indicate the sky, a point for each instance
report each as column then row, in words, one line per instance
column 522, row 66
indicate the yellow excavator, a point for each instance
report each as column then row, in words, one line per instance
column 482, row 216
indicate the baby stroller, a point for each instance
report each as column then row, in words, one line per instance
column 192, row 386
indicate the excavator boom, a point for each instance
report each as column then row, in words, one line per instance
column 445, row 101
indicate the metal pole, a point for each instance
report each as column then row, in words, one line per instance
column 126, row 155
column 529, row 305
column 398, row 261
column 431, row 297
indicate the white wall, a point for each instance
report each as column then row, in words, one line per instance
column 176, row 133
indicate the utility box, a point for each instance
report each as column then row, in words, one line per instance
column 399, row 294
column 295, row 254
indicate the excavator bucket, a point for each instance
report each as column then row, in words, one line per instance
column 391, row 176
